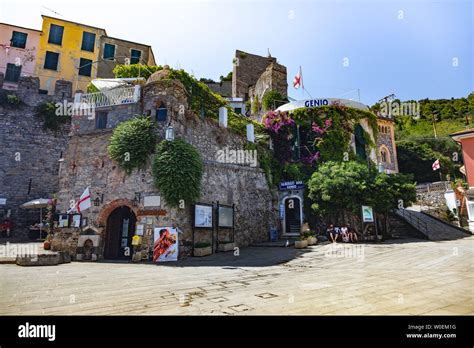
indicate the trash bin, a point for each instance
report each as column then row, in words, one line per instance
column 273, row 234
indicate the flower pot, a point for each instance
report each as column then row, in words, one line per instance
column 199, row 252
column 47, row 245
column 225, row 247
column 312, row 240
column 301, row 244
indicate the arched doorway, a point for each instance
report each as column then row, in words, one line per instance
column 293, row 215
column 119, row 232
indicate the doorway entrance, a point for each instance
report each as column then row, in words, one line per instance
column 293, row 215
column 119, row 229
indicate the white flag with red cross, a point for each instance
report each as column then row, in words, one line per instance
column 84, row 201
column 435, row 165
column 298, row 80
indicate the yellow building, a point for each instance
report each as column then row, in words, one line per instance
column 69, row 51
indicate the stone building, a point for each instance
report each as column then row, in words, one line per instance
column 386, row 148
column 253, row 76
column 133, row 198
column 29, row 153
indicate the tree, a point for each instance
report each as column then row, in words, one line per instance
column 415, row 157
column 390, row 191
column 343, row 187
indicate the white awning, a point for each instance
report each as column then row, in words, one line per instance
column 108, row 84
column 318, row 102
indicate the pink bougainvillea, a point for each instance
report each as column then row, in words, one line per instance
column 321, row 130
column 274, row 120
column 311, row 158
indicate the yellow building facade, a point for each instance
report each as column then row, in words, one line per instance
column 67, row 51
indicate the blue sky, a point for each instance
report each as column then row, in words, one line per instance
column 409, row 48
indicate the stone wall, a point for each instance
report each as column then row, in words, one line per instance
column 223, row 88
column 29, row 156
column 244, row 186
column 273, row 78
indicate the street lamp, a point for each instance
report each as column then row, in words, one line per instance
column 98, row 201
column 169, row 133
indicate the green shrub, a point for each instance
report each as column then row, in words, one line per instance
column 52, row 120
column 132, row 142
column 135, row 70
column 177, row 171
column 272, row 100
column 13, row 99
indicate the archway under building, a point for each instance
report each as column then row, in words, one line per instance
column 293, row 217
column 120, row 227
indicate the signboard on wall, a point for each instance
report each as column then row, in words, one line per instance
column 3, row 201
column 165, row 246
column 367, row 214
column 203, row 216
column 291, row 185
column 152, row 201
column 226, row 216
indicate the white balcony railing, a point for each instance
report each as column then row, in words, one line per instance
column 103, row 99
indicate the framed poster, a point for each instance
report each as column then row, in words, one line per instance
column 63, row 220
column 139, row 230
column 367, row 214
column 76, row 220
column 226, row 216
column 203, row 216
column 125, row 227
column 165, row 246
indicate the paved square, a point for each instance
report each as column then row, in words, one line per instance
column 394, row 277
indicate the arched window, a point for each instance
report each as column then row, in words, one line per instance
column 161, row 113
column 384, row 154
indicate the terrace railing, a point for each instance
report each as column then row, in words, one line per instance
column 104, row 99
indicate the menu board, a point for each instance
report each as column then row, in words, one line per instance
column 203, row 216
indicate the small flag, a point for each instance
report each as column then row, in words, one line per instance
column 297, row 81
column 84, row 202
column 435, row 165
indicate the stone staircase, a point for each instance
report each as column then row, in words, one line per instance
column 432, row 228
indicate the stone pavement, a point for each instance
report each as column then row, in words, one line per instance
column 394, row 277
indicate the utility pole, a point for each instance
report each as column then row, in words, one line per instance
column 433, row 117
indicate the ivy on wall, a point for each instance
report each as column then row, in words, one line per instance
column 177, row 172
column 132, row 142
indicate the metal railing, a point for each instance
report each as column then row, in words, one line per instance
column 440, row 186
column 117, row 96
column 413, row 220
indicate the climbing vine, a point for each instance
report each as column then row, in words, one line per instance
column 132, row 142
column 177, row 172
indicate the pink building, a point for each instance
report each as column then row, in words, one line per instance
column 18, row 49
column 466, row 139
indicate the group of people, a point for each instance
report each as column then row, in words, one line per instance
column 345, row 233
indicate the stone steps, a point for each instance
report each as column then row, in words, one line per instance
column 435, row 230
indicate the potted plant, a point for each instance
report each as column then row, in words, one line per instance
column 311, row 238
column 301, row 243
column 225, row 246
column 202, row 249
